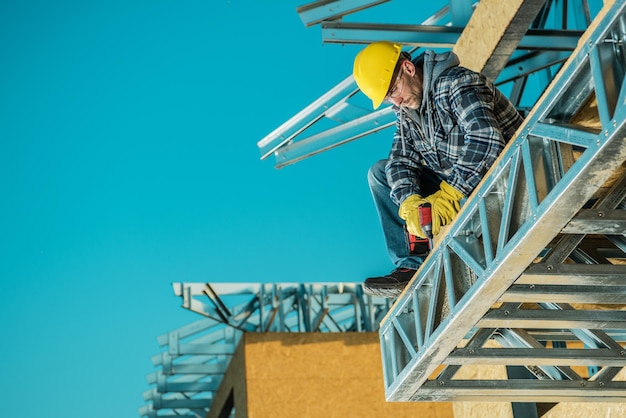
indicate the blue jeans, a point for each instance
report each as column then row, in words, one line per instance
column 393, row 225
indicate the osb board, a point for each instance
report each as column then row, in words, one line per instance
column 493, row 32
column 322, row 375
column 482, row 409
column 234, row 381
column 590, row 409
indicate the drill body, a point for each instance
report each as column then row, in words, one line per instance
column 421, row 246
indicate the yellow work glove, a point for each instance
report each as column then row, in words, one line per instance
column 409, row 211
column 446, row 203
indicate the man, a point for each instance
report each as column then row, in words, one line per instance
column 452, row 123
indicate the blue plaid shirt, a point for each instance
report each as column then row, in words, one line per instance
column 458, row 133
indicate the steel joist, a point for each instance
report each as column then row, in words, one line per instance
column 519, row 266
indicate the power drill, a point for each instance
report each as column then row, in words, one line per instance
column 421, row 246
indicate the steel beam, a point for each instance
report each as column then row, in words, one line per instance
column 319, row 11
column 524, row 390
column 574, row 274
column 565, row 294
column 539, row 356
column 548, row 319
column 439, row 36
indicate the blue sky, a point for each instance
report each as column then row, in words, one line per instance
column 128, row 161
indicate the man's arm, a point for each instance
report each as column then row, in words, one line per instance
column 404, row 164
column 472, row 101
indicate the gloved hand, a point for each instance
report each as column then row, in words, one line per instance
column 409, row 212
column 446, row 203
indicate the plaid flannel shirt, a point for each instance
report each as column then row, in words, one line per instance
column 458, row 134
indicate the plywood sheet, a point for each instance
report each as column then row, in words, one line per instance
column 315, row 375
column 233, row 382
column 493, row 33
column 590, row 409
column 482, row 409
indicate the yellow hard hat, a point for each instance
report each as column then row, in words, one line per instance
column 373, row 69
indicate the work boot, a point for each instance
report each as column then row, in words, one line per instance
column 389, row 286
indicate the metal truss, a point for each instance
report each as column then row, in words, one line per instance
column 536, row 258
column 197, row 355
column 342, row 115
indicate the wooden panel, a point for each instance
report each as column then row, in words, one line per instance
column 590, row 409
column 322, row 375
column 493, row 33
column 482, row 409
column 234, row 382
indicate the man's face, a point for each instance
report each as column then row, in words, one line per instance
column 406, row 90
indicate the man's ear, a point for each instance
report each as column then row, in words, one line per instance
column 408, row 67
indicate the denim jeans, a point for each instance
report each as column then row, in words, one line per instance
column 392, row 224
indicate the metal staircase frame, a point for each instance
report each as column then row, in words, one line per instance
column 539, row 237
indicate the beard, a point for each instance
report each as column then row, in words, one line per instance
column 414, row 97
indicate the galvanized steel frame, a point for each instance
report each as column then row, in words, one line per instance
column 528, row 210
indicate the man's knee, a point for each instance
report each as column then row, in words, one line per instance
column 376, row 174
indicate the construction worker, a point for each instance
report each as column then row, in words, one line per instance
column 451, row 125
